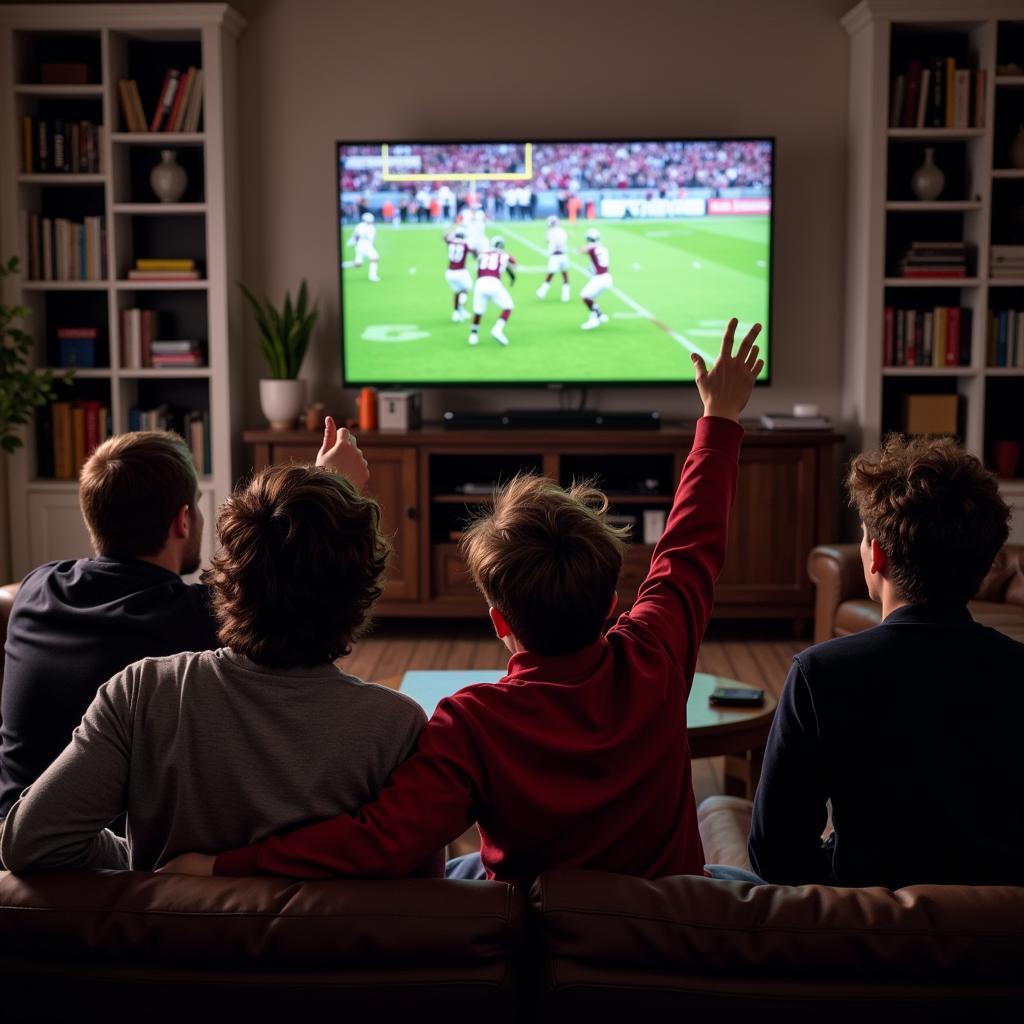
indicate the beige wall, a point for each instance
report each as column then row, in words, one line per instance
column 314, row 71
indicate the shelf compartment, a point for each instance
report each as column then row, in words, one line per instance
column 65, row 286
column 60, row 92
column 937, row 206
column 932, row 282
column 33, row 49
column 167, row 140
column 934, row 134
column 133, row 192
column 159, row 209
column 61, row 179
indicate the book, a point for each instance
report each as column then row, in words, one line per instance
column 950, row 91
column 908, row 116
column 930, row 352
column 177, row 110
column 164, row 346
column 899, row 87
column 136, row 104
column 166, row 100
column 937, row 103
column 63, row 456
column 962, row 98
column 889, row 349
column 953, row 336
column 163, row 275
column 922, row 98
column 978, row 117
column 128, row 109
column 26, row 144
column 787, row 421
column 165, row 264
column 195, row 104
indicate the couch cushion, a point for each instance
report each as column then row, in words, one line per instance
column 135, row 917
column 699, row 926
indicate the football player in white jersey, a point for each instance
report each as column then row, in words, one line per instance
column 600, row 280
column 457, row 275
column 558, row 259
column 363, row 238
column 476, row 231
column 491, row 263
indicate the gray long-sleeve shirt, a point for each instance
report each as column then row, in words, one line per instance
column 205, row 752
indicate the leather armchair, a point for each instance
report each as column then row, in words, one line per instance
column 842, row 605
column 7, row 593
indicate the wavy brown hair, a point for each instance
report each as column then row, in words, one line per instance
column 132, row 487
column 936, row 513
column 299, row 567
column 547, row 559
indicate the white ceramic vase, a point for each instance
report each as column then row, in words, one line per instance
column 168, row 179
column 282, row 401
column 928, row 180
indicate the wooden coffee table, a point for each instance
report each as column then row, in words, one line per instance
column 737, row 734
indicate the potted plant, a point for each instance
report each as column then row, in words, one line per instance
column 22, row 388
column 284, row 338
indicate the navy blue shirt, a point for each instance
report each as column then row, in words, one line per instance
column 74, row 624
column 914, row 731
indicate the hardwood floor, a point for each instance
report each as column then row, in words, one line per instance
column 755, row 653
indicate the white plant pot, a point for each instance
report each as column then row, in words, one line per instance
column 282, row 401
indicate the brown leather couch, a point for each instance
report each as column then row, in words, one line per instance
column 842, row 605
column 582, row 946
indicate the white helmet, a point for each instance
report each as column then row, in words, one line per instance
column 367, row 217
column 499, row 242
column 593, row 235
column 552, row 221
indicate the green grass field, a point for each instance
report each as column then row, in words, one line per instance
column 676, row 283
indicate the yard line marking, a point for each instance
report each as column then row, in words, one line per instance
column 646, row 314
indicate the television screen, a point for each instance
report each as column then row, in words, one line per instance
column 583, row 263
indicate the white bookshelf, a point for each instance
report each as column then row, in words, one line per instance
column 125, row 41
column 882, row 32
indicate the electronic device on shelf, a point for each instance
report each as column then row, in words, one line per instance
column 551, row 419
column 550, row 263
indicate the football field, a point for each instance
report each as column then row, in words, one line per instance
column 676, row 283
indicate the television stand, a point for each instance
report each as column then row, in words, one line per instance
column 552, row 419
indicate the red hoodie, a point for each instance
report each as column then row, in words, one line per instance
column 579, row 760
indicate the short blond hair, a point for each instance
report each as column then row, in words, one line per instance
column 131, row 488
column 548, row 560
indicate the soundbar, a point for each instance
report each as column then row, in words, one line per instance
column 551, row 419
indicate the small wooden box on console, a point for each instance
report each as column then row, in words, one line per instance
column 784, row 506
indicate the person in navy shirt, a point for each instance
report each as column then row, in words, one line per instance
column 910, row 729
column 76, row 623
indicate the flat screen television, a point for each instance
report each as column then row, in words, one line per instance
column 550, row 263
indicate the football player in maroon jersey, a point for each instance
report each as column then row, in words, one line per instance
column 600, row 281
column 491, row 263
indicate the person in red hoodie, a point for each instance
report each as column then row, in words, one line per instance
column 579, row 756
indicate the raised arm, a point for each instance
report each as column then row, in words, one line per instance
column 674, row 602
column 61, row 820
column 429, row 800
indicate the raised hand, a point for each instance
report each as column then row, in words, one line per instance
column 340, row 452
column 725, row 388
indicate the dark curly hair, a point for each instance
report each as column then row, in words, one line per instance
column 300, row 564
column 936, row 513
column 548, row 560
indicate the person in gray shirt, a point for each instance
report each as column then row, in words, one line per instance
column 215, row 749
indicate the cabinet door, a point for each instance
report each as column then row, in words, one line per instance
column 56, row 529
column 393, row 482
column 771, row 529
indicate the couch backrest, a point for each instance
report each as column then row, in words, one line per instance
column 171, row 947
column 697, row 926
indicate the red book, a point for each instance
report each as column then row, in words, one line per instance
column 926, row 272
column 910, row 358
column 163, row 105
column 147, row 337
column 953, row 336
column 173, row 122
column 889, row 358
column 91, row 410
column 908, row 118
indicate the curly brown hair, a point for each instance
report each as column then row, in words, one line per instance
column 547, row 559
column 299, row 566
column 936, row 513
